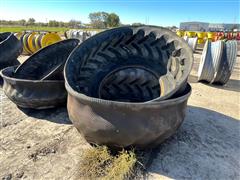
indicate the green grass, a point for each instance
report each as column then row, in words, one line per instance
column 35, row 28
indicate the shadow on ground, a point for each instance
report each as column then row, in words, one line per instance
column 232, row 84
column 205, row 147
column 198, row 51
column 56, row 115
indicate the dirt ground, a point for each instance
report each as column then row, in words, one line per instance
column 44, row 144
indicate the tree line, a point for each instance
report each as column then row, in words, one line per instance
column 50, row 23
column 97, row 20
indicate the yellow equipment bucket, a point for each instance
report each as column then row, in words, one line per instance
column 201, row 35
column 180, row 33
column 191, row 34
column 210, row 35
column 200, row 41
column 50, row 38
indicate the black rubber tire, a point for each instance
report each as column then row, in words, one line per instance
column 129, row 50
column 47, row 63
column 128, row 125
column 10, row 49
column 129, row 85
column 33, row 94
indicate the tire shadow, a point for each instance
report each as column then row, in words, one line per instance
column 206, row 146
column 197, row 51
column 232, row 84
column 57, row 115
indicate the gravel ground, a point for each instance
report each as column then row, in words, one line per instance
column 45, row 145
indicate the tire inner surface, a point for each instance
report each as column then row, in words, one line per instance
column 125, row 66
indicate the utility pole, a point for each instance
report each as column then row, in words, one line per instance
column 147, row 20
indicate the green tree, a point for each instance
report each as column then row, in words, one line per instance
column 74, row 23
column 31, row 21
column 53, row 23
column 22, row 22
column 113, row 20
column 61, row 24
column 137, row 24
column 98, row 19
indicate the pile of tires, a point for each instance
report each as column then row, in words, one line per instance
column 227, row 36
column 217, row 61
column 211, row 36
column 10, row 49
column 128, row 86
column 82, row 35
column 33, row 41
column 38, row 83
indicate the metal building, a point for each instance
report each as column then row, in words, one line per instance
column 203, row 26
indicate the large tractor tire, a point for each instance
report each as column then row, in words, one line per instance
column 10, row 49
column 128, row 62
column 48, row 62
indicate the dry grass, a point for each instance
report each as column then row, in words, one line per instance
column 122, row 166
column 99, row 163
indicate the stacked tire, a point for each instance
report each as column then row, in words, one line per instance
column 79, row 34
column 10, row 49
column 128, row 86
column 217, row 61
column 38, row 82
